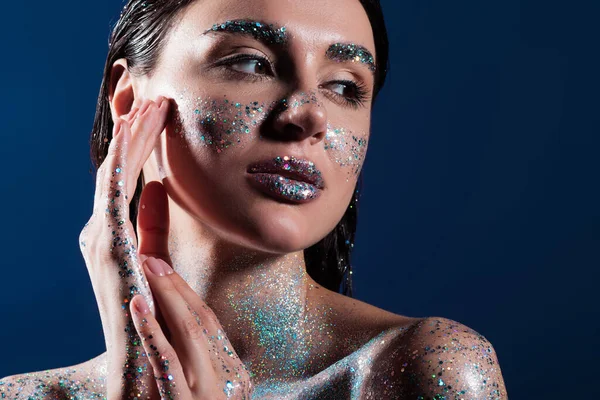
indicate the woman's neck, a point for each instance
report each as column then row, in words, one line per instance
column 261, row 300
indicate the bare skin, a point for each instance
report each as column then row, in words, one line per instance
column 241, row 251
column 366, row 321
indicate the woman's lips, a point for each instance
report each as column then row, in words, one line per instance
column 285, row 188
column 290, row 167
column 288, row 178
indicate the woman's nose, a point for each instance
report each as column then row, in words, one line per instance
column 301, row 117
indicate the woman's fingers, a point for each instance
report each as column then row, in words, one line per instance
column 113, row 178
column 131, row 116
column 153, row 222
column 153, row 230
column 210, row 366
column 109, row 246
column 187, row 333
column 196, row 334
column 166, row 365
column 233, row 377
column 115, row 185
column 147, row 126
column 116, row 181
column 144, row 125
column 114, row 156
column 203, row 313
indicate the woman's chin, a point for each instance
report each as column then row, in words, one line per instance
column 281, row 235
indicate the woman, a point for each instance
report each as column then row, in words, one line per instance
column 233, row 134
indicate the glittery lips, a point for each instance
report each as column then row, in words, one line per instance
column 288, row 178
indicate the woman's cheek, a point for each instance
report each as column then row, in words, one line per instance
column 213, row 128
column 347, row 149
column 217, row 126
column 220, row 124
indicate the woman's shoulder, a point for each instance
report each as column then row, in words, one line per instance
column 84, row 381
column 432, row 357
column 429, row 358
column 362, row 316
column 437, row 357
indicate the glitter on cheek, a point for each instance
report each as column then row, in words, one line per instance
column 346, row 148
column 223, row 124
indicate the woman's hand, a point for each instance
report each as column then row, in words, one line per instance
column 109, row 246
column 198, row 363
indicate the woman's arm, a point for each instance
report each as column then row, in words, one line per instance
column 438, row 358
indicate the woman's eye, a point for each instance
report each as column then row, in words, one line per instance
column 343, row 89
column 250, row 66
column 349, row 92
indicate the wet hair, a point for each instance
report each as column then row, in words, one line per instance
column 138, row 36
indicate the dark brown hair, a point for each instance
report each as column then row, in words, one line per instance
column 138, row 36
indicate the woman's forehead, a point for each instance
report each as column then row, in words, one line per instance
column 314, row 23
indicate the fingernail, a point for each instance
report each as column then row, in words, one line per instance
column 158, row 267
column 168, row 269
column 140, row 305
column 155, row 266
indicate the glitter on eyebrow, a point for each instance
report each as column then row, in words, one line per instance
column 342, row 52
column 260, row 31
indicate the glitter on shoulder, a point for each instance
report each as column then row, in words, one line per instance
column 435, row 358
column 58, row 384
column 439, row 359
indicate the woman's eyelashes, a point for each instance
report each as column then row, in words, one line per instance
column 350, row 92
column 254, row 68
column 248, row 66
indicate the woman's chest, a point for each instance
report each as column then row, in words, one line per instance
column 348, row 378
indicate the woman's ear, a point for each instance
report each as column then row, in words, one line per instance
column 121, row 94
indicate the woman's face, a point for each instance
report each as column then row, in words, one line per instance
column 272, row 114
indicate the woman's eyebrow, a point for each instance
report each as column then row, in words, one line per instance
column 350, row 52
column 268, row 34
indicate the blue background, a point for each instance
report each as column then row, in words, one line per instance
column 481, row 199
